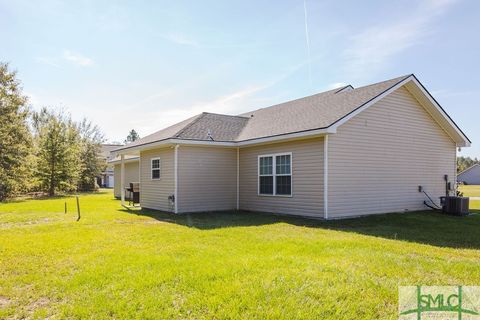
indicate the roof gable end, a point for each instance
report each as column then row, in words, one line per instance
column 425, row 99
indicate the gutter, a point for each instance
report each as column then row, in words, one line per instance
column 175, row 141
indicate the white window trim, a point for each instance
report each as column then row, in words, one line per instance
column 274, row 174
column 159, row 168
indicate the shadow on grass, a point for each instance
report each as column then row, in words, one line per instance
column 426, row 227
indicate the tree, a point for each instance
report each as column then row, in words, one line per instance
column 132, row 136
column 58, row 147
column 465, row 163
column 15, row 136
column 90, row 147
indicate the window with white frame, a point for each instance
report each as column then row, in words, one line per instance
column 275, row 174
column 155, row 166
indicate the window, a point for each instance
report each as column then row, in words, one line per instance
column 275, row 174
column 266, row 175
column 155, row 168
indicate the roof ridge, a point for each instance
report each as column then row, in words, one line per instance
column 225, row 115
column 188, row 125
column 288, row 101
column 399, row 79
column 343, row 88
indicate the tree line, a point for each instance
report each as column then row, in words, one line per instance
column 44, row 151
column 464, row 163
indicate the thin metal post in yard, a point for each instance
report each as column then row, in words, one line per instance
column 65, row 207
column 78, row 209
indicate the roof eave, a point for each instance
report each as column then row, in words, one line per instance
column 134, row 150
column 457, row 135
column 461, row 140
column 441, row 116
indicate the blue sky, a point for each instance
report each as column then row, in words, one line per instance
column 145, row 65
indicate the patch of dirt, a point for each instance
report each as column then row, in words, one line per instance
column 40, row 303
column 4, row 301
column 8, row 225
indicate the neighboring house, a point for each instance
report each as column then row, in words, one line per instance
column 470, row 175
column 340, row 153
column 106, row 178
column 132, row 172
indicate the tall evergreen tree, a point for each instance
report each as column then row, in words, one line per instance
column 57, row 151
column 15, row 137
column 132, row 136
column 90, row 147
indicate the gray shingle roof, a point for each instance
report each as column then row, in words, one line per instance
column 221, row 127
column 163, row 134
column 107, row 148
column 313, row 112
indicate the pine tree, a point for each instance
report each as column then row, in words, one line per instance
column 132, row 136
column 57, row 140
column 15, row 136
column 92, row 165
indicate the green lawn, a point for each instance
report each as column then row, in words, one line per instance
column 470, row 190
column 115, row 263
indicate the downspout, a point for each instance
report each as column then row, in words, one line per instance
column 325, row 177
column 140, row 175
column 122, row 179
column 238, row 178
column 455, row 185
column 176, row 178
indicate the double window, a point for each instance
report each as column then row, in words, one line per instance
column 275, row 174
column 155, row 168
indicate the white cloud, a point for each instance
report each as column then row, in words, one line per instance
column 373, row 48
column 186, row 40
column 48, row 61
column 234, row 102
column 336, row 85
column 77, row 58
column 180, row 39
column 231, row 103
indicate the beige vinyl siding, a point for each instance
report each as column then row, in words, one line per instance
column 131, row 175
column 154, row 193
column 207, row 178
column 378, row 159
column 307, row 179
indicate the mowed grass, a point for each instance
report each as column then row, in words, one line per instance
column 116, row 263
column 470, row 190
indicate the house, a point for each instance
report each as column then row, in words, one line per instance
column 131, row 169
column 340, row 153
column 470, row 175
column 106, row 178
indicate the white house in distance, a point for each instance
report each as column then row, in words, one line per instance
column 340, row 153
column 470, row 175
column 106, row 179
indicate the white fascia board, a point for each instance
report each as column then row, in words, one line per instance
column 466, row 142
column 131, row 160
column 288, row 136
column 370, row 103
column 171, row 142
